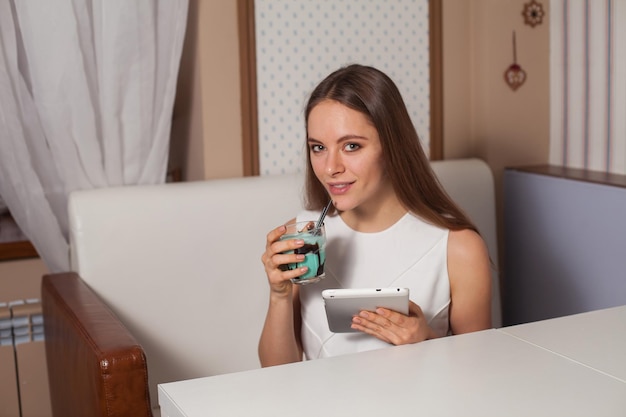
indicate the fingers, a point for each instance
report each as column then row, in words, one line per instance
column 375, row 325
column 274, row 235
column 415, row 310
column 391, row 326
column 278, row 253
column 274, row 245
column 281, row 253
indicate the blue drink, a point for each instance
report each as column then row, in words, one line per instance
column 314, row 251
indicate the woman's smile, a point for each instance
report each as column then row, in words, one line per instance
column 338, row 188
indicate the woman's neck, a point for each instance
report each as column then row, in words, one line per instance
column 375, row 217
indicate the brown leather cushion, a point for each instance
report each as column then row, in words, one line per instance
column 95, row 366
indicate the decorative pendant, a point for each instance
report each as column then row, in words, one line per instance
column 533, row 13
column 514, row 76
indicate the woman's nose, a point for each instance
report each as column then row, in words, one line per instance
column 334, row 165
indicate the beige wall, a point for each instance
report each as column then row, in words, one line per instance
column 458, row 60
column 206, row 129
column 483, row 117
column 21, row 279
column 502, row 126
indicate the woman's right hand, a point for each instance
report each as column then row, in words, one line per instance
column 273, row 258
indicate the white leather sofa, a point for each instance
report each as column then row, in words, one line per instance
column 179, row 264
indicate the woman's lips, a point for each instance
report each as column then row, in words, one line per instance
column 339, row 188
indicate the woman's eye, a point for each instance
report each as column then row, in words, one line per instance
column 316, row 148
column 350, row 147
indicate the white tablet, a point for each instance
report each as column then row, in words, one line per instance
column 343, row 304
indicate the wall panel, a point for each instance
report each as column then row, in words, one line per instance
column 299, row 42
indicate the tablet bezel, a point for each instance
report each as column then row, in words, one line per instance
column 341, row 304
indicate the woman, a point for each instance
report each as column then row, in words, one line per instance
column 392, row 225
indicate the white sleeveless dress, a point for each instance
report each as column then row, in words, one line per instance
column 411, row 253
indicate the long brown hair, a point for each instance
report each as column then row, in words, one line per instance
column 372, row 93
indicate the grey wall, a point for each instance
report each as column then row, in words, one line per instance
column 565, row 246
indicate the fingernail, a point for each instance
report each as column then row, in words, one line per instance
column 363, row 314
column 300, row 257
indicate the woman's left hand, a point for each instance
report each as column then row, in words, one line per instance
column 393, row 327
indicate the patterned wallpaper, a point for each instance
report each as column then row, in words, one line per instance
column 588, row 84
column 299, row 42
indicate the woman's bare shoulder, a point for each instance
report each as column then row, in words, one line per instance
column 466, row 245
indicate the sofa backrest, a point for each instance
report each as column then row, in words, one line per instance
column 180, row 263
column 469, row 182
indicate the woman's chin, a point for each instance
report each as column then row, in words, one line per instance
column 342, row 206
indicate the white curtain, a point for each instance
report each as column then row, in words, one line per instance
column 588, row 84
column 86, row 95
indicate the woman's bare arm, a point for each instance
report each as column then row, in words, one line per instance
column 469, row 270
column 280, row 339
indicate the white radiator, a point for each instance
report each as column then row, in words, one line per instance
column 23, row 372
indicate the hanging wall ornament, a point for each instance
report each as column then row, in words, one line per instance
column 514, row 75
column 533, row 13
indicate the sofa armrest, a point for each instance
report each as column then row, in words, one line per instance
column 95, row 366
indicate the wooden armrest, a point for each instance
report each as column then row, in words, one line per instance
column 95, row 366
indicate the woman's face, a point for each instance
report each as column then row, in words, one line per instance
column 346, row 156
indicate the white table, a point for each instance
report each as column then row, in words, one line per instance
column 489, row 373
column 596, row 339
